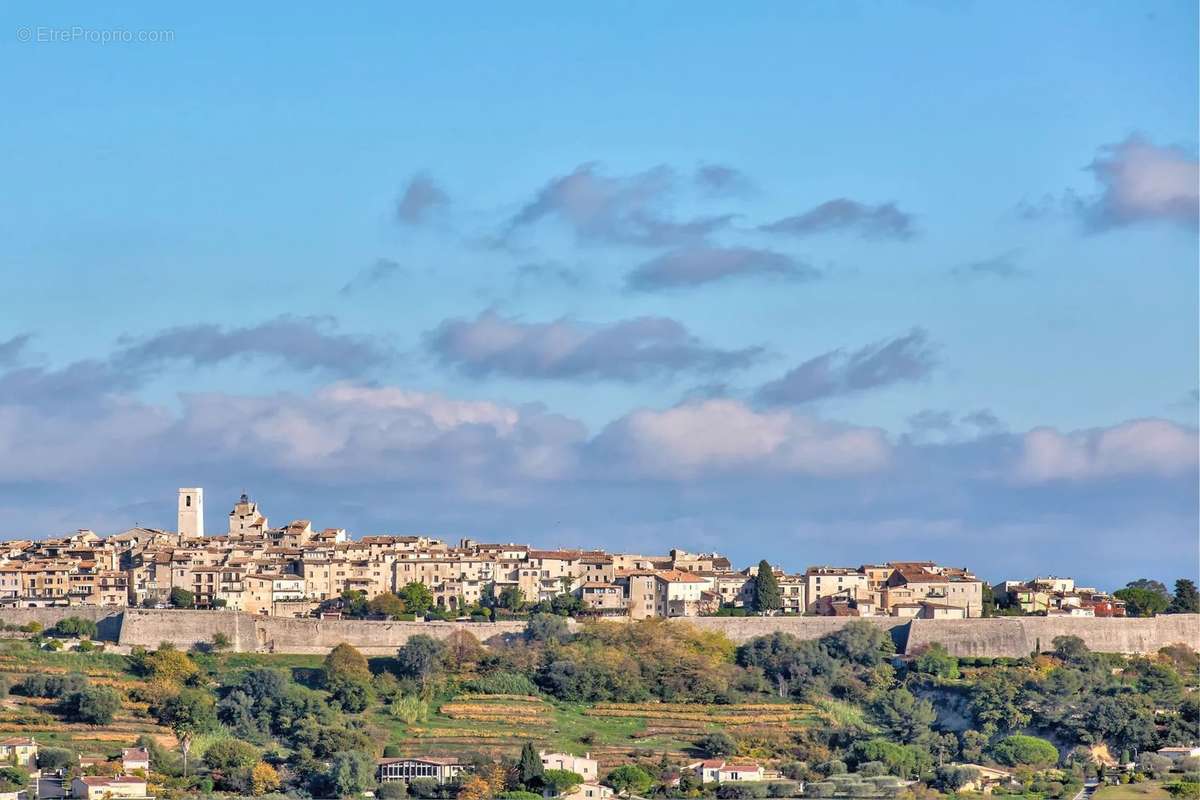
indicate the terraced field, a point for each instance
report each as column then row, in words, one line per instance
column 614, row 733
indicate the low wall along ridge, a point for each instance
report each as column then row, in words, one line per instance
column 1010, row 637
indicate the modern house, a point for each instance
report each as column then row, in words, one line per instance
column 442, row 770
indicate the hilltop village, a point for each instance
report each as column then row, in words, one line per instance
column 295, row 571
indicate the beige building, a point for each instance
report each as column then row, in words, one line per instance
column 101, row 787
column 19, row 750
column 585, row 766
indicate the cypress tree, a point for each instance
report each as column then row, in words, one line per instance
column 766, row 590
column 529, row 766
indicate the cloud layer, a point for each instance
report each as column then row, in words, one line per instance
column 627, row 350
column 910, row 357
column 1138, row 447
column 883, row 221
column 694, row 266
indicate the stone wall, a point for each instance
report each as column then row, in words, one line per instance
column 107, row 618
column 1000, row 637
column 1019, row 636
column 290, row 635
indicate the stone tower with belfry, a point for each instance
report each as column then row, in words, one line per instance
column 191, row 513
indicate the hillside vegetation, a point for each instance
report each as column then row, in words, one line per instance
column 840, row 713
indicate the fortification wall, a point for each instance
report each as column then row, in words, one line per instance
column 107, row 618
column 1011, row 637
column 289, row 635
column 741, row 629
column 1019, row 636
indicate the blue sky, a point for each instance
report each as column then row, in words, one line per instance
column 825, row 282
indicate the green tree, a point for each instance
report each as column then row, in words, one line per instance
column 1025, row 751
column 907, row 718
column 354, row 603
column 351, row 773
column 766, row 590
column 387, row 604
column 529, row 766
column 345, row 661
column 49, row 758
column 76, row 626
column 714, row 745
column 860, row 642
column 560, row 781
column 936, row 661
column 93, row 705
column 182, row 598
column 1186, row 599
column 546, row 628
column 13, row 779
column 420, row 657
column 1142, row 602
column 229, row 754
column 629, row 779
column 417, row 597
column 511, row 597
column 191, row 711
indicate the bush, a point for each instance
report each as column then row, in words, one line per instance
column 95, row 705
column 424, row 787
column 741, row 790
column 392, row 790
column 820, row 789
column 52, row 686
column 77, row 627
column 782, row 789
column 502, row 683
column 230, row 754
column 518, row 795
column 13, row 779
column 182, row 598
column 391, row 751
column 715, row 745
column 1185, row 790
column 55, row 758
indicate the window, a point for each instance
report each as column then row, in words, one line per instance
column 188, row 501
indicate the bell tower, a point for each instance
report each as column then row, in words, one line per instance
column 191, row 512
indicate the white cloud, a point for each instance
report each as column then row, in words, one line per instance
column 725, row 435
column 1137, row 447
column 1142, row 181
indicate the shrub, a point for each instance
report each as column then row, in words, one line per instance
column 715, row 745
column 782, row 789
column 230, row 754
column 52, row 686
column 55, row 758
column 94, row 705
column 820, row 789
column 392, row 790
column 391, row 751
column 1185, row 790
column 424, row 787
column 741, row 791
column 518, row 795
column 502, row 683
column 77, row 627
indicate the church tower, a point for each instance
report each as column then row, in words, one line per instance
column 191, row 512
